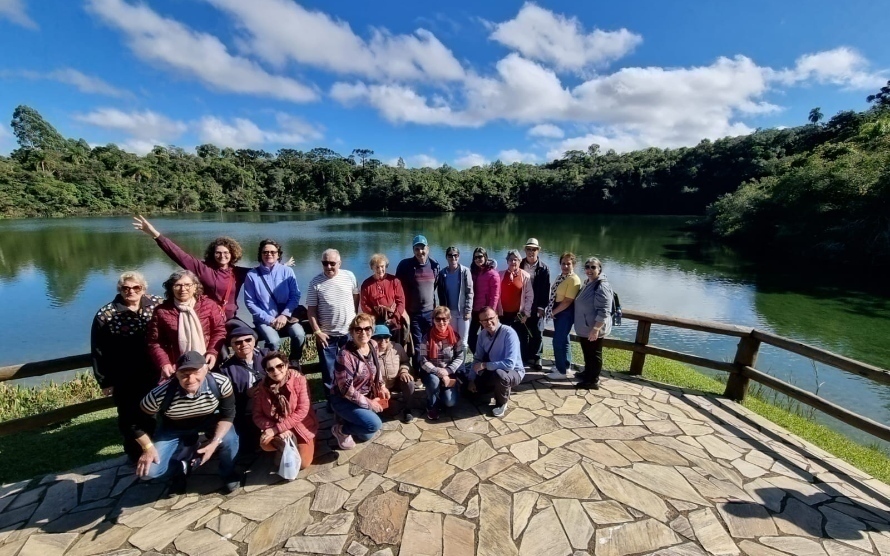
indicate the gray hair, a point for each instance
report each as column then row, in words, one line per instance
column 594, row 260
column 177, row 276
column 330, row 252
column 132, row 276
column 514, row 253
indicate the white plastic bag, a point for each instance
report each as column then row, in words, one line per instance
column 290, row 461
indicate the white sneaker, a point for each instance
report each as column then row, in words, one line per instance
column 556, row 375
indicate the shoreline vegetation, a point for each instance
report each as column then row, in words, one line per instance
column 820, row 190
column 94, row 437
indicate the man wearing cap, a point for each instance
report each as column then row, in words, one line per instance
column 331, row 301
column 194, row 400
column 418, row 277
column 244, row 369
column 396, row 369
column 532, row 341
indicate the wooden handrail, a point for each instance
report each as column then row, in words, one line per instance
column 41, row 368
column 689, row 324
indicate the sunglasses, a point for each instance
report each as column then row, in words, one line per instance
column 453, row 255
column 328, row 263
column 277, row 367
column 365, row 329
column 442, row 319
column 489, row 319
column 242, row 341
column 134, row 289
column 590, row 267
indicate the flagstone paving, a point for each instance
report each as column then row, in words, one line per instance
column 633, row 468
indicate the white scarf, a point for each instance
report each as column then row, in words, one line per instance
column 191, row 334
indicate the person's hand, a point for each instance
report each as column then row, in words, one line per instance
column 478, row 367
column 406, row 377
column 108, row 391
column 145, row 460
column 449, row 382
column 210, row 359
column 267, row 436
column 206, row 451
column 468, row 316
column 279, row 322
column 142, row 224
column 540, row 313
column 321, row 338
column 287, row 435
column 522, row 317
column 385, row 393
column 594, row 334
column 472, row 387
column 167, row 370
column 375, row 406
column 290, row 262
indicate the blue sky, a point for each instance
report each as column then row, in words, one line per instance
column 461, row 83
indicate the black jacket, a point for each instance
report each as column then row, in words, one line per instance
column 540, row 274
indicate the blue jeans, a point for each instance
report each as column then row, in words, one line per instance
column 273, row 337
column 562, row 326
column 327, row 357
column 421, row 323
column 358, row 422
column 435, row 390
column 169, row 442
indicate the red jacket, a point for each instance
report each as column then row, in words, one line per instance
column 163, row 330
column 302, row 420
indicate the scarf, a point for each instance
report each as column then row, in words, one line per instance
column 548, row 312
column 437, row 336
column 191, row 334
column 278, row 394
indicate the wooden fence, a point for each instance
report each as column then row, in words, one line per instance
column 741, row 370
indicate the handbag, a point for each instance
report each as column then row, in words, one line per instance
column 290, row 461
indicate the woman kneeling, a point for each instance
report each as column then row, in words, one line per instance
column 283, row 411
column 441, row 356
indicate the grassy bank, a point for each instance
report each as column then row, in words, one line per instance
column 93, row 437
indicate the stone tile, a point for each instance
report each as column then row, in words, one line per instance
column 798, row 546
column 805, row 492
column 324, row 544
column 204, row 543
column 104, row 503
column 423, row 535
column 227, row 525
column 573, row 422
column 799, row 519
column 494, row 523
column 634, row 537
column 548, row 396
column 602, row 416
column 882, row 543
column 458, row 536
column 544, row 536
column 384, row 552
column 434, row 435
column 245, row 532
column 76, row 522
column 336, row 473
column 423, row 465
column 606, row 512
column 746, row 520
column 286, row 523
column 47, row 545
column 59, row 498
column 543, row 502
column 161, row 532
column 391, row 439
column 656, row 454
column 846, row 529
column 517, row 477
column 682, row 506
column 519, row 416
column 718, row 447
column 27, row 497
column 695, row 430
column 411, row 432
column 261, row 504
column 494, row 466
column 571, row 484
column 123, row 483
column 460, row 486
column 105, row 538
column 10, row 517
column 574, row 521
column 374, row 458
column 529, row 401
column 509, row 439
column 556, row 439
column 541, row 425
column 628, row 493
column 570, row 406
column 835, row 548
column 666, row 428
column 754, row 549
column 472, row 508
column 371, row 482
column 748, row 470
column 98, row 486
column 624, row 450
column 628, row 418
column 356, row 549
column 523, row 504
column 336, row 524
column 688, row 549
column 351, row 483
column 408, row 489
column 663, row 480
column 329, row 498
column 598, row 452
column 473, row 455
column 426, row 501
column 183, row 501
column 383, row 517
column 387, row 485
column 759, row 459
column 681, row 525
column 525, row 451
column 140, row 518
column 678, row 445
column 876, row 514
column 555, row 463
column 711, row 534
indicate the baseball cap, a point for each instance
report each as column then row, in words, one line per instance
column 381, row 331
column 419, row 240
column 241, row 330
column 190, row 360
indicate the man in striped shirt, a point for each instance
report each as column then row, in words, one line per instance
column 194, row 400
column 332, row 300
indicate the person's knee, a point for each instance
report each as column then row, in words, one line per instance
column 450, row 400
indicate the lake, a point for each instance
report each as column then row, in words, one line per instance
column 55, row 274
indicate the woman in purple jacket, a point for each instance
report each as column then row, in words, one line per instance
column 486, row 289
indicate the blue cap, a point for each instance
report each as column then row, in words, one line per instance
column 381, row 331
column 419, row 240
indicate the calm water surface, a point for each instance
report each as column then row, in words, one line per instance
column 54, row 274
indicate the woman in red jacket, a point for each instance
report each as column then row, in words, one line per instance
column 186, row 321
column 282, row 409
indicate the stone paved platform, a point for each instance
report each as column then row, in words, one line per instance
column 634, row 468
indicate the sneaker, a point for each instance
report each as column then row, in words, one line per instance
column 231, row 483
column 344, row 441
column 408, row 417
column 499, row 410
column 556, row 375
column 432, row 414
column 589, row 384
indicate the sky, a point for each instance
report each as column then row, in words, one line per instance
column 459, row 83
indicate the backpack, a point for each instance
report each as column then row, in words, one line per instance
column 616, row 306
column 175, row 387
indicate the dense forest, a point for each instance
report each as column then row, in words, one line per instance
column 817, row 188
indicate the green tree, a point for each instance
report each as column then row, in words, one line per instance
column 815, row 115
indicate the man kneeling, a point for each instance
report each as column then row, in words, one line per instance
column 192, row 401
column 497, row 363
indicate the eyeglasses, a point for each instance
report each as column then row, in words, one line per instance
column 489, row 319
column 328, row 263
column 513, row 260
column 270, row 252
column 566, row 263
column 277, row 367
column 183, row 286
column 442, row 319
column 134, row 289
column 221, row 253
column 242, row 341
column 365, row 329
column 590, row 267
column 453, row 255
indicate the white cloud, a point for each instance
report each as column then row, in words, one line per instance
column 540, row 34
column 422, row 161
column 242, row 133
column 469, row 160
column 140, row 125
column 140, row 146
column 14, row 11
column 84, row 83
column 401, row 104
column 842, row 66
column 282, row 30
column 548, row 131
column 510, row 156
column 202, row 56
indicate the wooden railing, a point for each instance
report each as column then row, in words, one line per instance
column 741, row 370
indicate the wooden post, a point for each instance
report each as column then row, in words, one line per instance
column 745, row 356
column 636, row 362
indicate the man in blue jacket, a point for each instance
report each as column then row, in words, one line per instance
column 497, row 363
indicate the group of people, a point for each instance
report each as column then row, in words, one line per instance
column 461, row 331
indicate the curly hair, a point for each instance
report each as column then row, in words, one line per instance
column 233, row 246
column 133, row 276
column 178, row 275
column 265, row 242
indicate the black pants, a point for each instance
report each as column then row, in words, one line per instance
column 593, row 359
column 130, row 416
column 531, row 342
column 499, row 382
column 474, row 331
